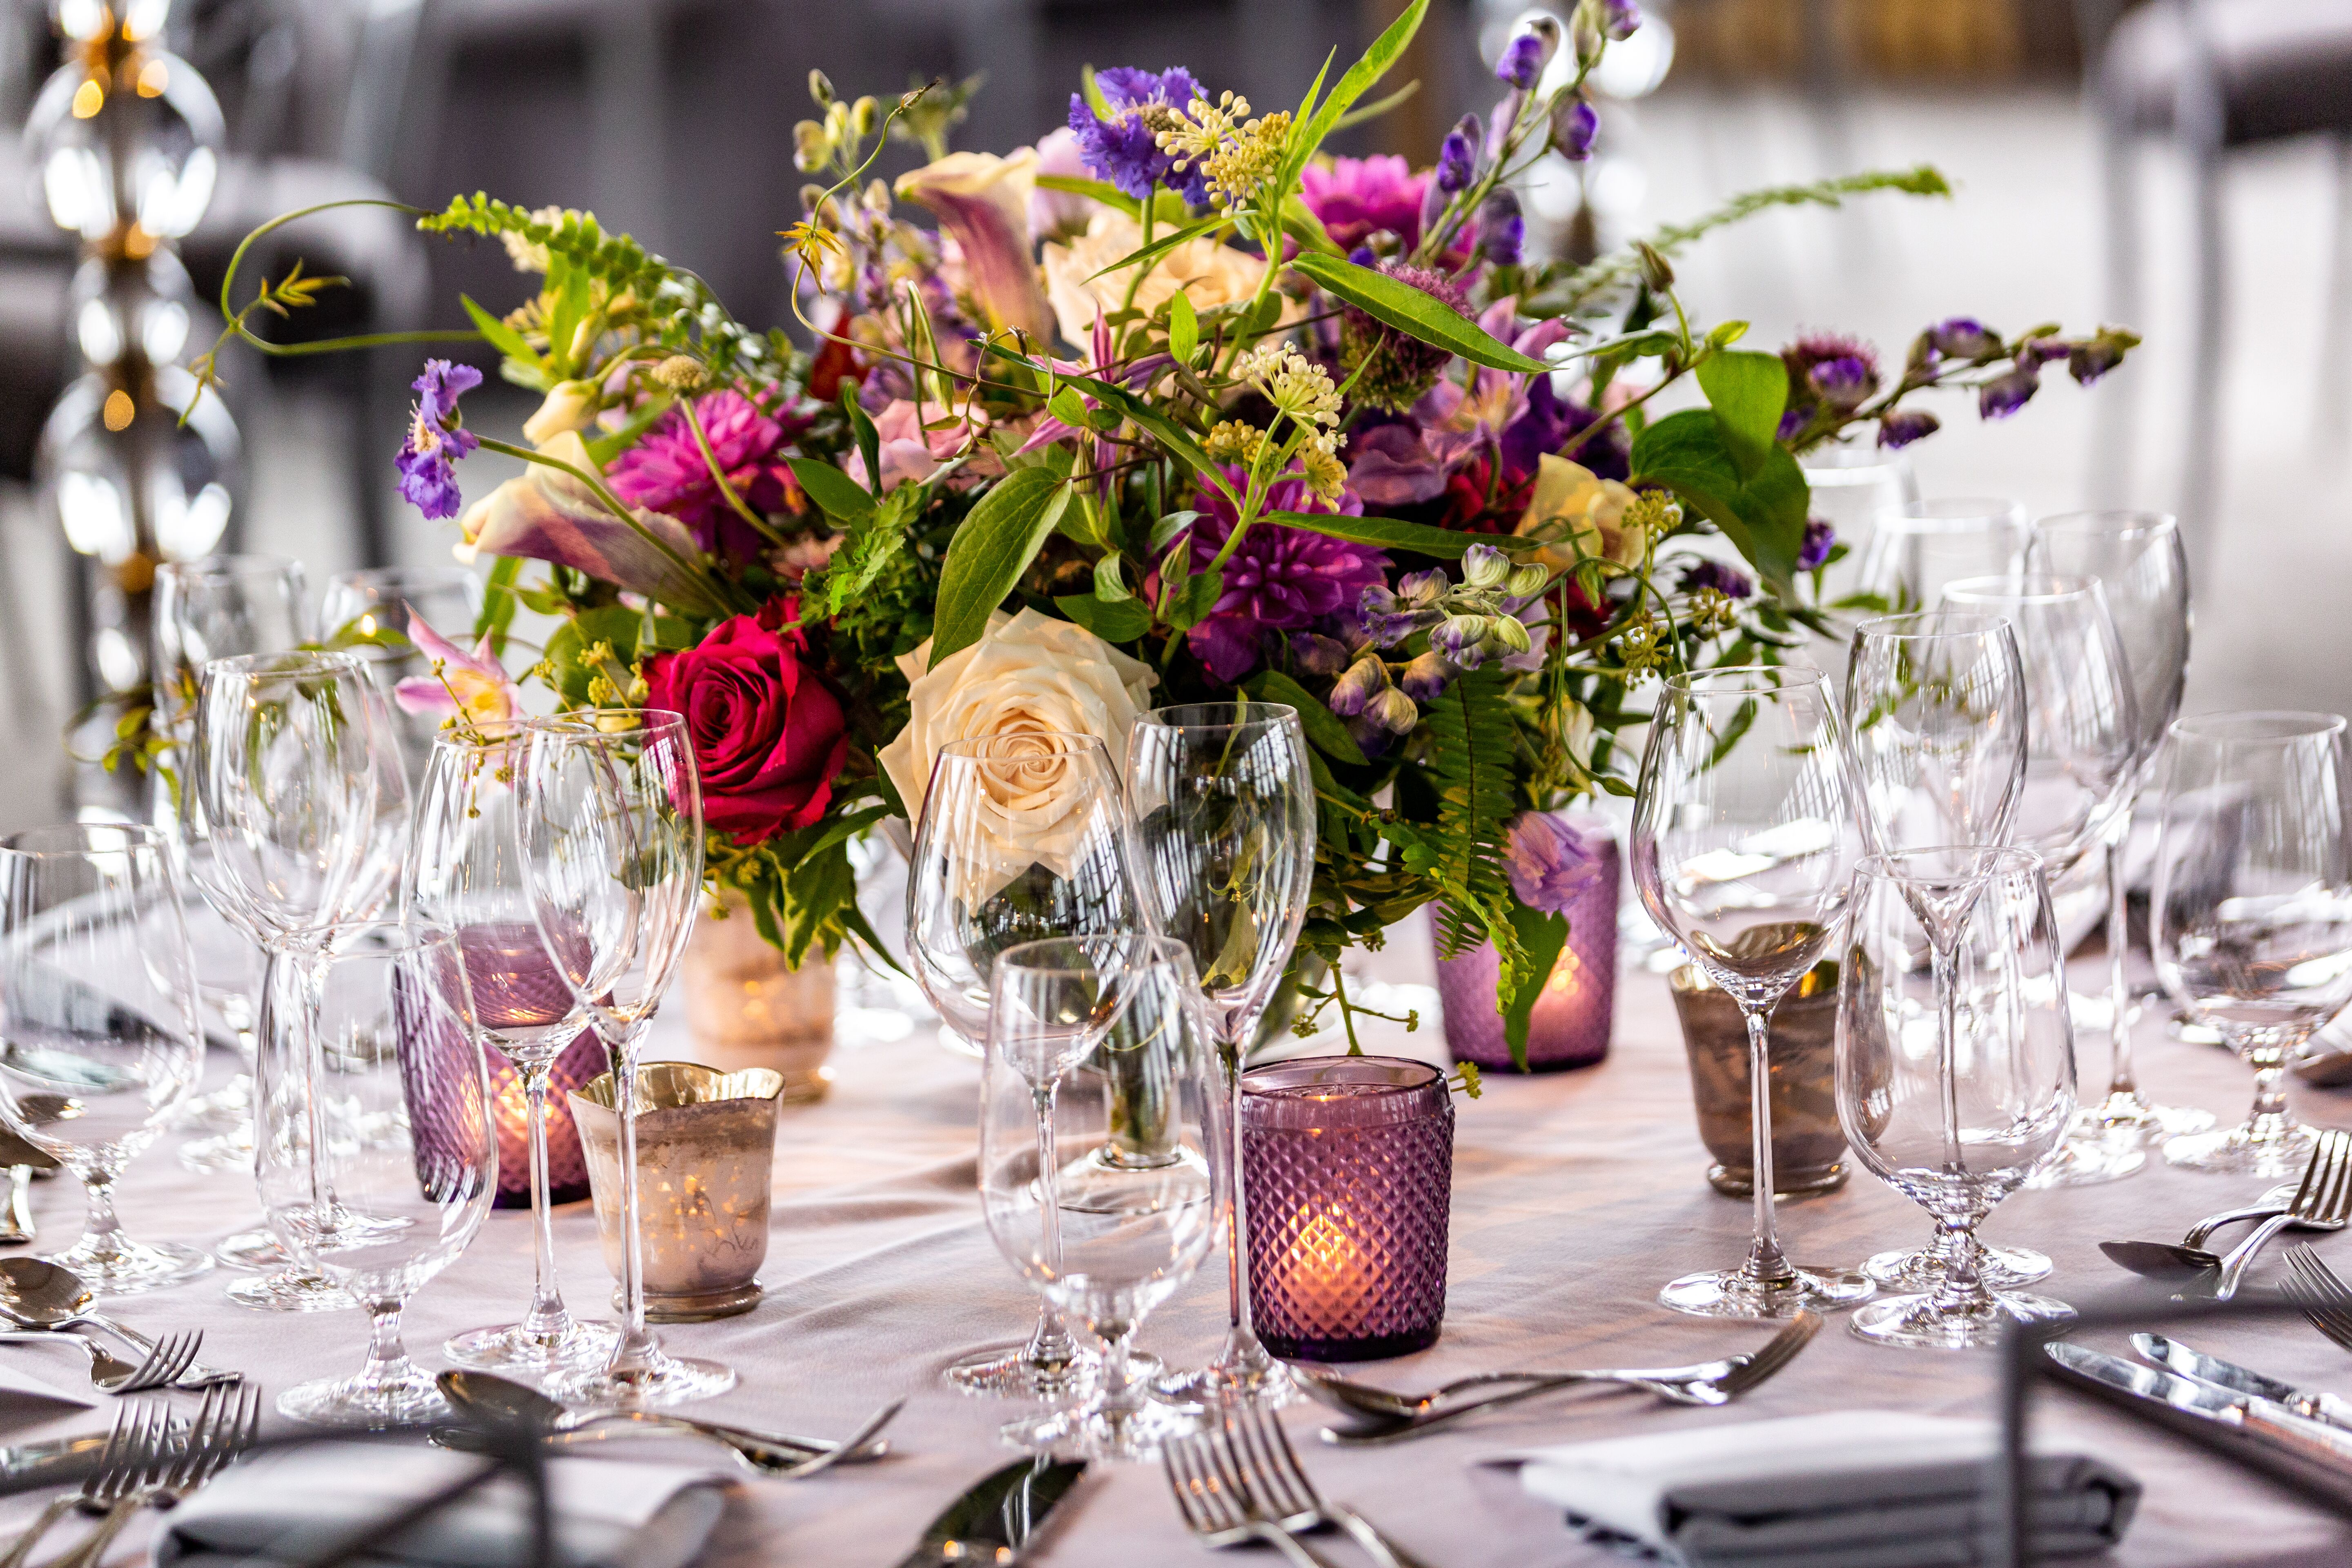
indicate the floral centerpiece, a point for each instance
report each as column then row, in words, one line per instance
column 1171, row 406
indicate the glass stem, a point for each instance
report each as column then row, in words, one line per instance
column 387, row 1359
column 634, row 1356
column 1962, row 1287
column 101, row 1230
column 2122, row 1082
column 1767, row 1265
column 2268, row 1119
column 1050, row 1347
column 1244, row 1330
column 547, row 1318
column 1120, row 1398
column 1944, row 956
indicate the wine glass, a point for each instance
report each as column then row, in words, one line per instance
column 1918, row 547
column 393, row 1051
column 1744, row 844
column 363, row 606
column 1953, row 1097
column 2143, row 569
column 1106, row 1201
column 2251, row 917
column 608, row 815
column 1224, row 821
column 97, row 1008
column 467, row 877
column 1022, row 837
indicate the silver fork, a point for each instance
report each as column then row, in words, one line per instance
column 1216, row 1507
column 1270, row 1470
column 2322, row 1201
column 225, row 1426
column 1743, row 1372
column 109, row 1373
column 141, row 1432
column 2320, row 1293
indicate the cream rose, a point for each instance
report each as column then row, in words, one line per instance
column 1028, row 677
column 1571, row 498
column 1210, row 274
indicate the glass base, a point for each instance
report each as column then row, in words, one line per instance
column 225, row 1109
column 2000, row 1267
column 1009, row 1372
column 400, row 1400
column 126, row 1268
column 1731, row 1293
column 256, row 1250
column 2281, row 1149
column 1243, row 1374
column 2131, row 1111
column 662, row 1379
column 290, row 1291
column 1095, row 1433
column 1916, row 1322
column 229, row 1150
column 2089, row 1157
column 511, row 1347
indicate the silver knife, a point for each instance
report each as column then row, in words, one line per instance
column 2236, row 1379
column 2259, row 1418
column 993, row 1521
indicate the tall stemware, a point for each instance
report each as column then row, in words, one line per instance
column 467, row 877
column 360, row 608
column 1019, row 838
column 609, row 821
column 2251, row 918
column 1744, row 844
column 1224, row 823
column 2143, row 569
column 1918, row 547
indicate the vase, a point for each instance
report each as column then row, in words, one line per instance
column 1569, row 1023
column 746, row 1007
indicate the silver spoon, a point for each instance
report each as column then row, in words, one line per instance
column 500, row 1399
column 38, row 1294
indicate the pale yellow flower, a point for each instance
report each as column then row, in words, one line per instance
column 1208, row 273
column 1573, row 503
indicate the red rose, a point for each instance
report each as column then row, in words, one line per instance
column 767, row 731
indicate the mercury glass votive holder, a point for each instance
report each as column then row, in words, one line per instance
column 1808, row 1147
column 1569, row 1023
column 1349, row 1165
column 705, row 1154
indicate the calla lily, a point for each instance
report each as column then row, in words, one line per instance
column 472, row 685
column 983, row 201
column 546, row 514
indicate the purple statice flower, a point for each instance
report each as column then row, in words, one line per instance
column 1845, row 382
column 1397, row 367
column 1898, row 428
column 666, row 472
column 1279, row 579
column 1318, row 655
column 1548, row 861
column 1620, row 18
column 1501, row 231
column 2005, row 394
column 1355, row 199
column 1530, row 50
column 1574, row 126
column 1125, row 149
column 1814, row 551
column 1727, row 581
column 1963, row 338
column 1457, row 155
column 434, row 440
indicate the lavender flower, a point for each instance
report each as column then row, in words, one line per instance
column 2095, row 356
column 1425, row 677
column 434, row 441
column 1361, row 685
column 1549, row 862
column 1394, row 711
column 1457, row 155
column 1317, row 654
column 1422, row 589
column 1727, row 581
column 1898, row 428
column 1484, row 566
column 1125, row 149
column 1384, row 623
column 1574, row 125
column 2005, row 395
column 1502, row 232
column 1530, row 50
column 1397, row 367
column 1814, row 553
column 1620, row 18
column 1964, row 337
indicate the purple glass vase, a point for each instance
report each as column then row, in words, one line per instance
column 577, row 1066
column 1349, row 1165
column 1570, row 1025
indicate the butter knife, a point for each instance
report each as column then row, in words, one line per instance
column 2316, row 1405
column 993, row 1521
column 2269, row 1425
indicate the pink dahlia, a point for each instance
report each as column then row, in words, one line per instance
column 665, row 471
column 1279, row 579
column 1357, row 197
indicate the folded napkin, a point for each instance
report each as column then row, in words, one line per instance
column 1863, row 1489
column 290, row 1503
column 24, row 1397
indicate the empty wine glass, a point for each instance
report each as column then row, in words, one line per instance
column 608, row 811
column 1953, row 1094
column 1918, row 547
column 97, row 1008
column 467, row 877
column 1104, row 1198
column 2143, row 569
column 2251, row 917
column 1744, row 844
column 1224, row 821
column 1021, row 839
column 362, row 607
column 376, row 1153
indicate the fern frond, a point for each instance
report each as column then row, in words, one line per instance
column 1473, row 739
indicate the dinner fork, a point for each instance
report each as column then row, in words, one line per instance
column 141, row 1432
column 165, row 1361
column 2322, row 1295
column 1215, row 1504
column 225, row 1426
column 1270, row 1470
column 2323, row 1201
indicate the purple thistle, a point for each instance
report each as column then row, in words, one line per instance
column 427, row 475
column 2005, row 395
column 1125, row 149
column 1793, row 423
column 1397, row 367
column 1964, row 337
column 1502, row 232
column 1814, row 553
column 1727, row 581
column 1843, row 383
column 1574, row 125
column 1898, row 428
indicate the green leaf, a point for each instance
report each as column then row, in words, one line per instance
column 1068, row 406
column 1541, row 937
column 503, row 337
column 499, row 602
column 1299, row 222
column 1110, row 581
column 1763, row 515
column 1748, row 393
column 615, row 624
column 840, row 497
column 1123, row 621
column 870, row 441
column 1200, row 596
column 992, row 547
column 1314, row 89
column 1093, row 91
column 1361, row 78
column 1373, row 110
column 1390, row 533
column 571, row 286
column 1410, row 311
column 1325, row 729
column 1101, row 191
column 1183, row 328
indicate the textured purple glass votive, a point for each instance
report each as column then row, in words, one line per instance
column 1570, row 1025
column 577, row 1066
column 1348, row 1168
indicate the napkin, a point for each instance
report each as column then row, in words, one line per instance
column 25, row 1397
column 1864, row 1488
column 290, row 1503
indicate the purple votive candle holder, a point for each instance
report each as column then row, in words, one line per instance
column 1348, row 1168
column 1571, row 1022
column 576, row 1066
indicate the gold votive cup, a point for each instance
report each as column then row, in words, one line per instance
column 705, row 1154
column 1808, row 1147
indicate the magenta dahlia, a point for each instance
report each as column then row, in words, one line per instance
column 666, row 472
column 1279, row 579
column 1358, row 197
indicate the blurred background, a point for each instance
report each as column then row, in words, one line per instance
column 2179, row 166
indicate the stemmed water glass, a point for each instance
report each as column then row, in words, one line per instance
column 1955, row 1074
column 1104, row 1200
column 1019, row 838
column 1918, row 547
column 97, row 1008
column 609, row 820
column 467, row 877
column 1225, row 823
column 387, row 1193
column 2143, row 569
column 2251, row 917
column 361, row 606
column 1744, row 844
